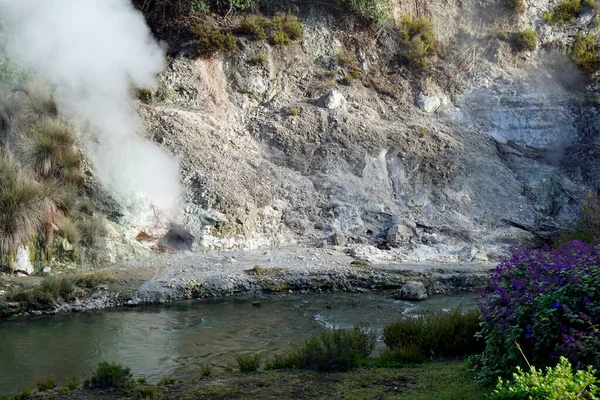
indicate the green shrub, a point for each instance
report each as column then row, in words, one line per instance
column 331, row 350
column 254, row 25
column 564, row 11
column 281, row 38
column 68, row 229
column 93, row 278
column 417, row 41
column 57, row 285
column 228, row 368
column 148, row 392
column 248, row 362
column 206, row 370
column 211, row 39
column 112, row 375
column 259, row 60
column 293, row 111
column 585, row 53
column 198, row 7
column 526, row 40
column 288, row 24
column 438, row 334
column 409, row 354
column 87, row 382
column 46, row 384
column 240, row 5
column 375, row 11
column 72, row 382
column 166, row 381
column 556, row 383
column 25, row 394
column 517, row 6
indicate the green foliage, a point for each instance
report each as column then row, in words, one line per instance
column 556, row 383
column 25, row 394
column 588, row 222
column 68, row 229
column 46, row 384
column 293, row 111
column 374, row 11
column 212, row 39
column 417, row 41
column 331, row 350
column 259, row 60
column 585, row 53
column 57, row 285
column 93, row 278
column 206, row 370
column 248, row 362
column 93, row 230
column 565, row 11
column 72, row 382
column 526, row 40
column 166, row 381
column 347, row 60
column 87, row 382
column 112, row 375
column 228, row 368
column 402, row 356
column 517, row 6
column 448, row 334
column 198, row 7
column 240, row 5
column 149, row 392
column 282, row 29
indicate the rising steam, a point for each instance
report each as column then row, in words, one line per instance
column 95, row 52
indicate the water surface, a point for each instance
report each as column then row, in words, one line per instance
column 176, row 339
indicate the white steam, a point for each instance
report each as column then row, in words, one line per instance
column 95, row 52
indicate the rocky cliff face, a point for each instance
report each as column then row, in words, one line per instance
column 395, row 164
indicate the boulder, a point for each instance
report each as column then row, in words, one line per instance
column 332, row 100
column 413, row 290
column 429, row 104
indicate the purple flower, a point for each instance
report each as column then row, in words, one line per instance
column 556, row 304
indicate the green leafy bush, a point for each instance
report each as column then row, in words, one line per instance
column 46, row 384
column 57, row 285
column 438, row 334
column 148, row 392
column 408, row 354
column 376, row 11
column 248, row 362
column 72, row 382
column 331, row 350
column 25, row 394
column 112, row 375
column 526, row 40
column 212, row 39
column 417, row 41
column 240, row 5
column 556, row 383
column 206, row 370
column 564, row 11
column 585, row 53
column 165, row 381
column 255, row 26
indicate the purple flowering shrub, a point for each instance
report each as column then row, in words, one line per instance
column 547, row 301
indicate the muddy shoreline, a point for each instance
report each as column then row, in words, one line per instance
column 183, row 276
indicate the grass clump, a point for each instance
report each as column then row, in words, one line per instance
column 409, row 354
column 46, row 384
column 565, row 11
column 518, row 6
column 25, row 394
column 148, row 392
column 206, row 370
column 526, row 40
column 72, row 382
column 166, row 381
column 372, row 11
column 50, row 289
column 111, row 375
column 248, row 362
column 331, row 350
column 555, row 383
column 57, row 285
column 212, row 39
column 260, row 60
column 93, row 278
column 281, row 29
column 585, row 53
column 417, row 39
column 446, row 334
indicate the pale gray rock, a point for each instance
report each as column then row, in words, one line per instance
column 413, row 290
column 429, row 104
column 22, row 262
column 332, row 100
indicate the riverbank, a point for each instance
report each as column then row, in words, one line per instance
column 433, row 380
column 187, row 275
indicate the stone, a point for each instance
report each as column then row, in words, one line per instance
column 332, row 100
column 22, row 262
column 47, row 270
column 339, row 239
column 429, row 104
column 413, row 290
column 399, row 235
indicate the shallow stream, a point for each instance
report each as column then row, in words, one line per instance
column 175, row 339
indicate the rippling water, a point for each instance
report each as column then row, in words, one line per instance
column 174, row 340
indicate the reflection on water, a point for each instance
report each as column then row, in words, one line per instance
column 175, row 339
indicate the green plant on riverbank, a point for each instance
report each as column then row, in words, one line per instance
column 111, row 375
column 51, row 288
column 46, row 384
column 445, row 334
column 559, row 382
column 248, row 362
column 331, row 350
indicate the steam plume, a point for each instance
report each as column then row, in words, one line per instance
column 94, row 52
